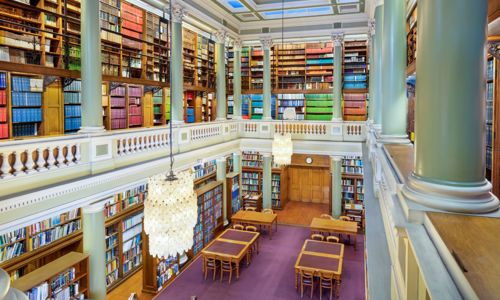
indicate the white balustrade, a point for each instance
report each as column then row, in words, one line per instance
column 18, row 161
column 205, row 132
column 301, row 128
column 250, row 127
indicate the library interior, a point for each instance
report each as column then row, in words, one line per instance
column 249, row 149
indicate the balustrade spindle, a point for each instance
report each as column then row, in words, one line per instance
column 40, row 160
column 30, row 164
column 60, row 157
column 50, row 159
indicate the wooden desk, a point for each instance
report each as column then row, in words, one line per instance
column 232, row 244
column 320, row 257
column 335, row 226
column 256, row 218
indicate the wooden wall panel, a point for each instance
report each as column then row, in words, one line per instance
column 309, row 184
column 147, row 109
column 493, row 10
column 53, row 110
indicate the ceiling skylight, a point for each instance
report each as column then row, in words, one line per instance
column 298, row 12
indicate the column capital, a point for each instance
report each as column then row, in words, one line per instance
column 221, row 160
column 237, row 44
column 267, row 154
column 178, row 12
column 93, row 208
column 338, row 39
column 267, row 42
column 221, row 35
column 336, row 157
column 371, row 27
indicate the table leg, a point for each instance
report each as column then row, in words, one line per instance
column 295, row 275
column 355, row 235
column 276, row 223
column 270, row 231
column 238, row 271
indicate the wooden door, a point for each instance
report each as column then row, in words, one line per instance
column 53, row 110
column 309, row 184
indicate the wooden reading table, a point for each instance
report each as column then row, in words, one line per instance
column 256, row 218
column 335, row 226
column 232, row 244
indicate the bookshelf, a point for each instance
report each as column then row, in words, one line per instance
column 233, row 194
column 26, row 249
column 245, row 68
column 411, row 39
column 229, row 70
column 490, row 101
column 279, row 187
column 319, row 107
column 297, row 101
column 4, row 115
column 319, row 66
column 210, row 220
column 118, row 107
column 124, row 253
column 26, row 105
column 353, row 188
column 72, row 106
column 64, row 278
column 204, row 173
column 135, row 106
column 355, row 80
column 291, row 61
column 157, row 272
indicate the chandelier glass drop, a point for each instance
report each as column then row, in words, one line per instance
column 282, row 147
column 171, row 209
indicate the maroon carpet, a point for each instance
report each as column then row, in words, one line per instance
column 270, row 275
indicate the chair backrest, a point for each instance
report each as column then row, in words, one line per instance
column 317, row 237
column 326, row 216
column 238, row 227
column 345, row 218
column 250, row 208
column 209, row 258
column 306, row 274
column 251, row 228
column 268, row 211
column 225, row 260
column 326, row 276
column 332, row 239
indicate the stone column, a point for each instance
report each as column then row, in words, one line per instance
column 221, row 176
column 237, row 80
column 267, row 43
column 237, row 162
column 394, row 102
column 376, row 68
column 449, row 152
column 336, row 170
column 338, row 40
column 371, row 83
column 220, row 50
column 91, row 68
column 267, row 170
column 94, row 244
column 176, row 65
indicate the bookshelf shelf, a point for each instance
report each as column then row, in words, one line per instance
column 355, row 80
column 64, row 278
column 353, row 189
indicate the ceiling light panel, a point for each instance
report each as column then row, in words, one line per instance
column 298, row 12
column 348, row 8
column 235, row 6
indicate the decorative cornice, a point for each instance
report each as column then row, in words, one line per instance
column 221, row 36
column 267, row 42
column 237, row 44
column 178, row 12
column 338, row 39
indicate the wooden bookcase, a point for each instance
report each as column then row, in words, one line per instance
column 26, row 249
column 279, row 188
column 123, row 213
column 68, row 275
column 233, row 194
column 353, row 189
column 355, row 85
column 204, row 173
column 411, row 40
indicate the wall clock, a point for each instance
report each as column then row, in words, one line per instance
column 309, row 160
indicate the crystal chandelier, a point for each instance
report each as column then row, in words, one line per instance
column 171, row 209
column 282, row 147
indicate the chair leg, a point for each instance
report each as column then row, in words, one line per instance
column 301, row 288
column 320, row 291
column 206, row 272
column 331, row 291
column 312, row 288
column 221, row 273
column 215, row 272
column 230, row 274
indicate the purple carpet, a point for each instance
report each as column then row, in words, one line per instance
column 271, row 273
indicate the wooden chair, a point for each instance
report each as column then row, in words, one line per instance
column 306, row 279
column 346, row 218
column 238, row 227
column 332, row 239
column 317, row 237
column 210, row 263
column 251, row 228
column 248, row 208
column 327, row 216
column 227, row 266
column 325, row 282
column 267, row 211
